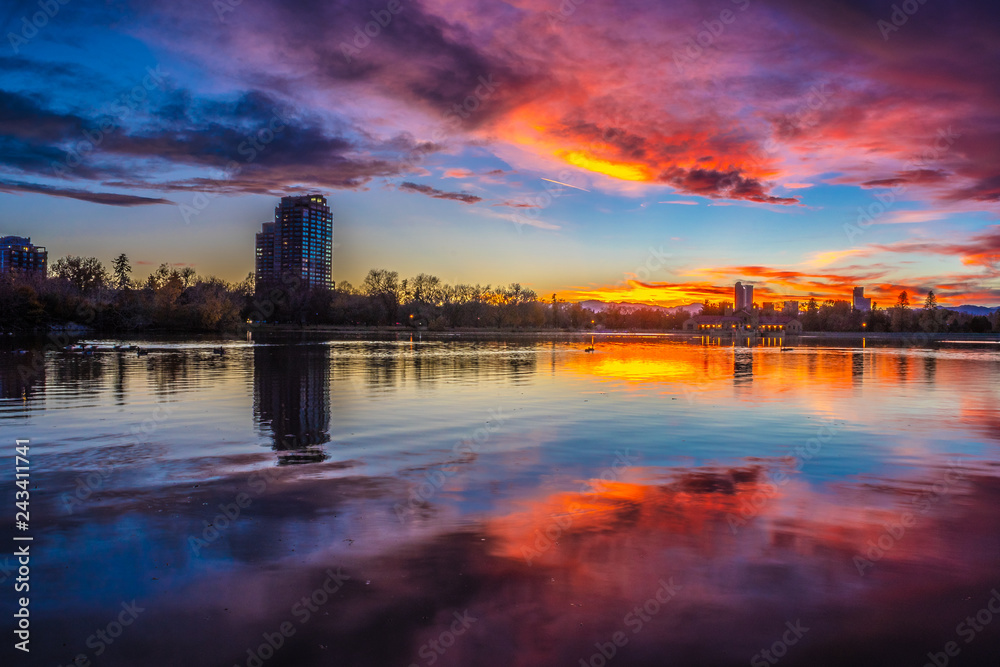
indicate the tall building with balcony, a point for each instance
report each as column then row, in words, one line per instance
column 297, row 244
column 860, row 302
column 17, row 254
column 743, row 297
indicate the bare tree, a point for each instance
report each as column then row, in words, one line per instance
column 188, row 276
column 384, row 285
column 87, row 274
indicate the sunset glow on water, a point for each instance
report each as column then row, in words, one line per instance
column 673, row 500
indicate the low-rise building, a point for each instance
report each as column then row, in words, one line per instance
column 770, row 324
column 776, row 324
column 18, row 254
column 715, row 323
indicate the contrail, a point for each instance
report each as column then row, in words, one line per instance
column 566, row 184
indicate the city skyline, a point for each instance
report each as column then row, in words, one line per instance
column 574, row 147
column 275, row 263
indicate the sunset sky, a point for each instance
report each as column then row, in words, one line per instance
column 622, row 150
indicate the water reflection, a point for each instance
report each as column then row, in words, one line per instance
column 389, row 365
column 858, row 366
column 83, row 371
column 169, row 370
column 856, row 491
column 742, row 365
column 21, row 374
column 930, row 369
column 291, row 386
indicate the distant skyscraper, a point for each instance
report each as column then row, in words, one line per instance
column 743, row 297
column 860, row 302
column 264, row 267
column 791, row 308
column 298, row 243
column 18, row 254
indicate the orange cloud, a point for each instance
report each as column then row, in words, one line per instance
column 655, row 294
column 626, row 172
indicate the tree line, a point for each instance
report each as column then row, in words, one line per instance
column 901, row 317
column 82, row 290
column 832, row 315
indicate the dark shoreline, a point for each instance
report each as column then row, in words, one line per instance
column 74, row 334
column 583, row 333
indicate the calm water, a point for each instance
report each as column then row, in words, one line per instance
column 660, row 501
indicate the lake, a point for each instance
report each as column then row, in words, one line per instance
column 447, row 500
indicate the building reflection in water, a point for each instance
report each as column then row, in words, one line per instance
column 742, row 365
column 291, row 388
column 21, row 375
column 857, row 366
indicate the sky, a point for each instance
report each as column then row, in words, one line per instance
column 622, row 150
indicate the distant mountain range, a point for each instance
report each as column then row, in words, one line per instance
column 600, row 306
column 975, row 310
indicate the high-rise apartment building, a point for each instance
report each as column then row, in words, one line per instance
column 18, row 254
column 743, row 297
column 264, row 268
column 299, row 243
